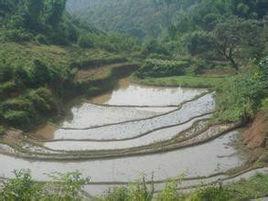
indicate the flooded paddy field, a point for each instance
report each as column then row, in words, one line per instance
column 171, row 122
column 202, row 160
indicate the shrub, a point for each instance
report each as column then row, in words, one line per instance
column 68, row 186
column 24, row 111
column 199, row 43
column 161, row 68
column 21, row 75
column 138, row 191
column 18, row 119
column 17, row 112
column 40, row 73
column 22, row 188
column 16, row 104
column 264, row 69
column 2, row 130
column 40, row 38
column 6, row 72
column 117, row 194
column 65, row 187
column 169, row 193
column 154, row 46
column 212, row 193
column 58, row 36
column 240, row 97
column 16, row 35
column 6, row 89
column 42, row 100
column 85, row 41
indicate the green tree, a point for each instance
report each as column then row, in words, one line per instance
column 199, row 43
column 40, row 73
column 227, row 40
column 249, row 8
column 35, row 8
column 54, row 11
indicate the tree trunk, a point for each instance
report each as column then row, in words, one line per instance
column 234, row 64
column 229, row 56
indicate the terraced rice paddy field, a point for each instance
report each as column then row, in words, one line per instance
column 133, row 132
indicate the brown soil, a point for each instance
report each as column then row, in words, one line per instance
column 255, row 136
column 97, row 73
column 12, row 136
column 44, row 132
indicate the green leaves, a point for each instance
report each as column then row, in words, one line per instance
column 64, row 187
column 241, row 97
column 21, row 188
column 68, row 186
column 161, row 68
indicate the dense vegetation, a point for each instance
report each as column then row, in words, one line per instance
column 155, row 17
column 238, row 97
column 232, row 31
column 69, row 187
column 44, row 21
column 36, row 75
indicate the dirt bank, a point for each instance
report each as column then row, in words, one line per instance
column 255, row 136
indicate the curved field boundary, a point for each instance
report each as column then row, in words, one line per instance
column 137, row 106
column 152, row 149
column 21, row 149
column 130, row 138
column 110, row 154
column 142, row 119
column 222, row 177
column 135, row 148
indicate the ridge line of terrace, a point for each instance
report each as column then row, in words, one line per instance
column 142, row 119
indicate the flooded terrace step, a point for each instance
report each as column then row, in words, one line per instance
column 201, row 160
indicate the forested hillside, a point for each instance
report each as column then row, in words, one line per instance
column 153, row 17
column 47, row 21
column 136, row 17
column 41, row 48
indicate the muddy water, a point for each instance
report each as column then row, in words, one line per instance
column 190, row 110
column 90, row 115
column 202, row 160
column 133, row 116
column 149, row 101
column 132, row 94
column 155, row 136
column 137, row 110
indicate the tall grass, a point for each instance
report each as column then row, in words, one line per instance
column 69, row 187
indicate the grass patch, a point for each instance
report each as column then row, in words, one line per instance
column 238, row 97
column 23, row 54
column 255, row 187
column 185, row 81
